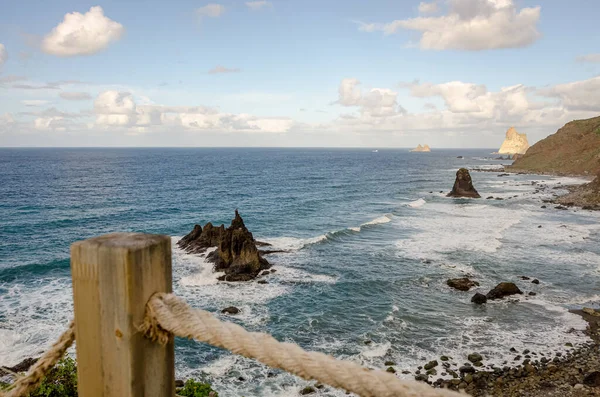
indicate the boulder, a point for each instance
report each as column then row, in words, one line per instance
column 592, row 379
column 463, row 185
column 479, row 299
column 231, row 310
column 462, row 284
column 503, row 289
column 236, row 254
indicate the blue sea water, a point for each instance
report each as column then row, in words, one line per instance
column 371, row 237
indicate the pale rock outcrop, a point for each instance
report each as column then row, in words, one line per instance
column 420, row 148
column 515, row 143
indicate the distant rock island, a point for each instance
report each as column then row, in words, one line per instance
column 236, row 252
column 514, row 143
column 420, row 148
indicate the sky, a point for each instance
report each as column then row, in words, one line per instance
column 295, row 73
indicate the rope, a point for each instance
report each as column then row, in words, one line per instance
column 32, row 379
column 167, row 314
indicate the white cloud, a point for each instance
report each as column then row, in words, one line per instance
column 211, row 10
column 257, row 5
column 578, row 95
column 223, row 69
column 119, row 109
column 7, row 121
column 56, row 123
column 82, row 34
column 376, row 102
column 428, row 8
column 592, row 58
column 471, row 25
column 34, row 102
column 3, row 55
column 75, row 96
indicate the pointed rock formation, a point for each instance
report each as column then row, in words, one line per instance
column 236, row 252
column 420, row 148
column 463, row 185
column 514, row 143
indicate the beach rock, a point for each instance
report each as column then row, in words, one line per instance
column 514, row 143
column 535, row 281
column 474, row 357
column 463, row 185
column 308, row 390
column 462, row 284
column 479, row 299
column 231, row 310
column 390, row 370
column 422, row 378
column 179, row 383
column 466, row 369
column 430, row 365
column 590, row 311
column 503, row 289
column 592, row 379
column 236, row 254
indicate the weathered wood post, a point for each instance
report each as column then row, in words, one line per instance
column 113, row 277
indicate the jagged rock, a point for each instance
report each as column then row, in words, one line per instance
column 463, row 185
column 592, row 379
column 462, row 284
column 475, row 357
column 503, row 289
column 236, row 254
column 308, row 390
column 23, row 366
column 420, row 148
column 479, row 299
column 514, row 143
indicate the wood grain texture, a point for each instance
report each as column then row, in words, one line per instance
column 113, row 277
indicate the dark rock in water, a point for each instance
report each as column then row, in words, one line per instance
column 388, row 363
column 499, row 198
column 560, row 207
column 535, row 281
column 543, row 206
column 525, row 278
column 592, row 379
column 262, row 282
column 479, row 299
column 236, row 252
column 422, row 378
column 532, row 294
column 430, row 365
column 308, row 390
column 460, row 157
column 489, row 198
column 179, row 383
column 390, row 370
column 503, row 289
column 231, row 310
column 462, row 284
column 474, row 357
column 23, row 366
column 262, row 244
column 463, row 185
column 467, row 369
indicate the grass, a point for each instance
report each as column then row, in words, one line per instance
column 196, row 389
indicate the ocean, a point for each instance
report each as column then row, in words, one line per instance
column 371, row 241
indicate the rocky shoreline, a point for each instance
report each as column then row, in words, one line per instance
column 574, row 372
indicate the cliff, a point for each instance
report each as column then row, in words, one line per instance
column 572, row 150
column 514, row 143
column 420, row 148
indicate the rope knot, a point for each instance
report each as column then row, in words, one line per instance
column 151, row 328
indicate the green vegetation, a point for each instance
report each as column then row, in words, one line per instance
column 196, row 389
column 597, row 130
column 60, row 382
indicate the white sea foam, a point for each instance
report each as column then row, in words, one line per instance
column 417, row 203
column 293, row 243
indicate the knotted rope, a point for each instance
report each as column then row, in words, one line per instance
column 166, row 314
column 32, row 379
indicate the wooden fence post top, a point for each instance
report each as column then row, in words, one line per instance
column 130, row 241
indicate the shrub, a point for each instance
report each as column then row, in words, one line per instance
column 61, row 381
column 196, row 389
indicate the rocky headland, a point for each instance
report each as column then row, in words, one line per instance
column 420, row 148
column 463, row 185
column 514, row 143
column 236, row 252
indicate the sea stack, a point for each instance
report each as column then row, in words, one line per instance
column 236, row 254
column 420, row 148
column 514, row 143
column 463, row 185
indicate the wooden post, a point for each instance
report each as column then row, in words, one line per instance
column 113, row 277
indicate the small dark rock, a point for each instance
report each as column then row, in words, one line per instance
column 503, row 289
column 430, row 365
column 388, row 363
column 308, row 390
column 532, row 293
column 474, row 357
column 535, row 281
column 466, row 369
column 179, row 383
column 479, row 299
column 462, row 284
column 231, row 310
column 262, row 282
column 390, row 370
column 592, row 379
column 422, row 378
